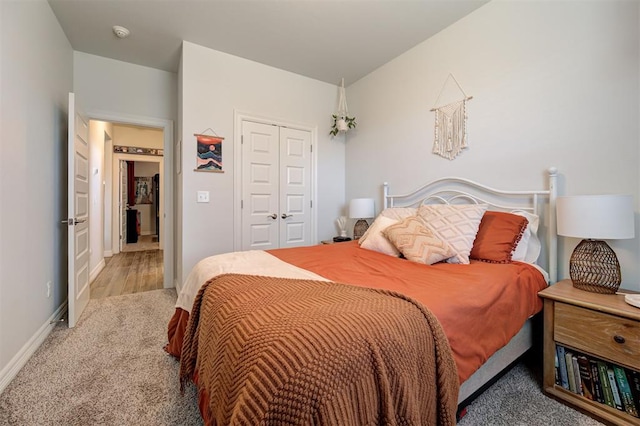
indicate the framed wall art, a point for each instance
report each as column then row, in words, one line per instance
column 209, row 153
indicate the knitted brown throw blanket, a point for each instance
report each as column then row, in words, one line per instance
column 274, row 351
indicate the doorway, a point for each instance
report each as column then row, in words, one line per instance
column 144, row 264
column 140, row 205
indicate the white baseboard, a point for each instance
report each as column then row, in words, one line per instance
column 108, row 253
column 99, row 267
column 20, row 359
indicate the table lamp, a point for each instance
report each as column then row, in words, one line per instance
column 594, row 266
column 361, row 209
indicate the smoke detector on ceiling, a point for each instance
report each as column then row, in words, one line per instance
column 121, row 32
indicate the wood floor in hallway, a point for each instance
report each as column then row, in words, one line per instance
column 130, row 272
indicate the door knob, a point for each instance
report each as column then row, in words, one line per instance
column 284, row 215
column 273, row 216
column 71, row 221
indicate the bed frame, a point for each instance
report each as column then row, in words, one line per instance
column 453, row 190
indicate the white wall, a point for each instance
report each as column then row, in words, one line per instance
column 147, row 211
column 36, row 72
column 554, row 84
column 177, row 225
column 104, row 84
column 100, row 132
column 214, row 84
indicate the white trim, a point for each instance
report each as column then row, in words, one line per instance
column 99, row 267
column 177, row 285
column 168, row 175
column 108, row 253
column 238, row 118
column 14, row 366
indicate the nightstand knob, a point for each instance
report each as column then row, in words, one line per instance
column 618, row 339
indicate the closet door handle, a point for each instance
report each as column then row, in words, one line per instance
column 273, row 216
column 284, row 215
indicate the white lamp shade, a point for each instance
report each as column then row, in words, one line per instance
column 597, row 217
column 362, row 208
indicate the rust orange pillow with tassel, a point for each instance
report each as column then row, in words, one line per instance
column 497, row 237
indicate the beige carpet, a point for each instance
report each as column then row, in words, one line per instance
column 111, row 370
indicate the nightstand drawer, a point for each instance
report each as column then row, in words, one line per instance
column 608, row 336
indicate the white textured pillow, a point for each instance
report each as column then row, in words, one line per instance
column 456, row 224
column 399, row 213
column 376, row 241
column 396, row 213
column 528, row 249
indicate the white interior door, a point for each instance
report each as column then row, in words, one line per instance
column 123, row 203
column 295, row 187
column 276, row 187
column 260, row 213
column 78, row 212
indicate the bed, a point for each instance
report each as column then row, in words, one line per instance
column 483, row 304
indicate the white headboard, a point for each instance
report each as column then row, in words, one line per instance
column 452, row 190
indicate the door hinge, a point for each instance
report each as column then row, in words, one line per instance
column 241, row 139
column 242, row 204
column 311, row 203
column 311, row 146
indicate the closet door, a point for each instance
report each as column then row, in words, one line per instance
column 295, row 187
column 260, row 186
column 276, row 187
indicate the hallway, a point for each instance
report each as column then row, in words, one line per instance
column 130, row 272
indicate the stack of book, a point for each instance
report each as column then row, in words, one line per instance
column 598, row 380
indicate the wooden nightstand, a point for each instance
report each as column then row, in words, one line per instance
column 602, row 327
column 333, row 242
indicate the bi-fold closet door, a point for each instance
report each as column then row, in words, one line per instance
column 276, row 186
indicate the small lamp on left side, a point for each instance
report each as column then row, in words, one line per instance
column 361, row 209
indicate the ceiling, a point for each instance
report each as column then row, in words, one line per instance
column 321, row 39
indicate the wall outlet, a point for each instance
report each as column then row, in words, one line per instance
column 48, row 289
column 203, row 196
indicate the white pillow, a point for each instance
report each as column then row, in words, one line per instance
column 376, row 241
column 399, row 213
column 456, row 224
column 396, row 213
column 529, row 246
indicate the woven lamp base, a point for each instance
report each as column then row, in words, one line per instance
column 360, row 228
column 594, row 267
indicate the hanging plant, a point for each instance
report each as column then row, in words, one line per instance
column 341, row 120
column 342, row 124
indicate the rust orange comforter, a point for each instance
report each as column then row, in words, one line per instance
column 480, row 306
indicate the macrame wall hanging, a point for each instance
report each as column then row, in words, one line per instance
column 451, row 124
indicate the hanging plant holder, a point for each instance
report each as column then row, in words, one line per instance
column 341, row 120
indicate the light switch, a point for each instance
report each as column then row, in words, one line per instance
column 203, row 196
